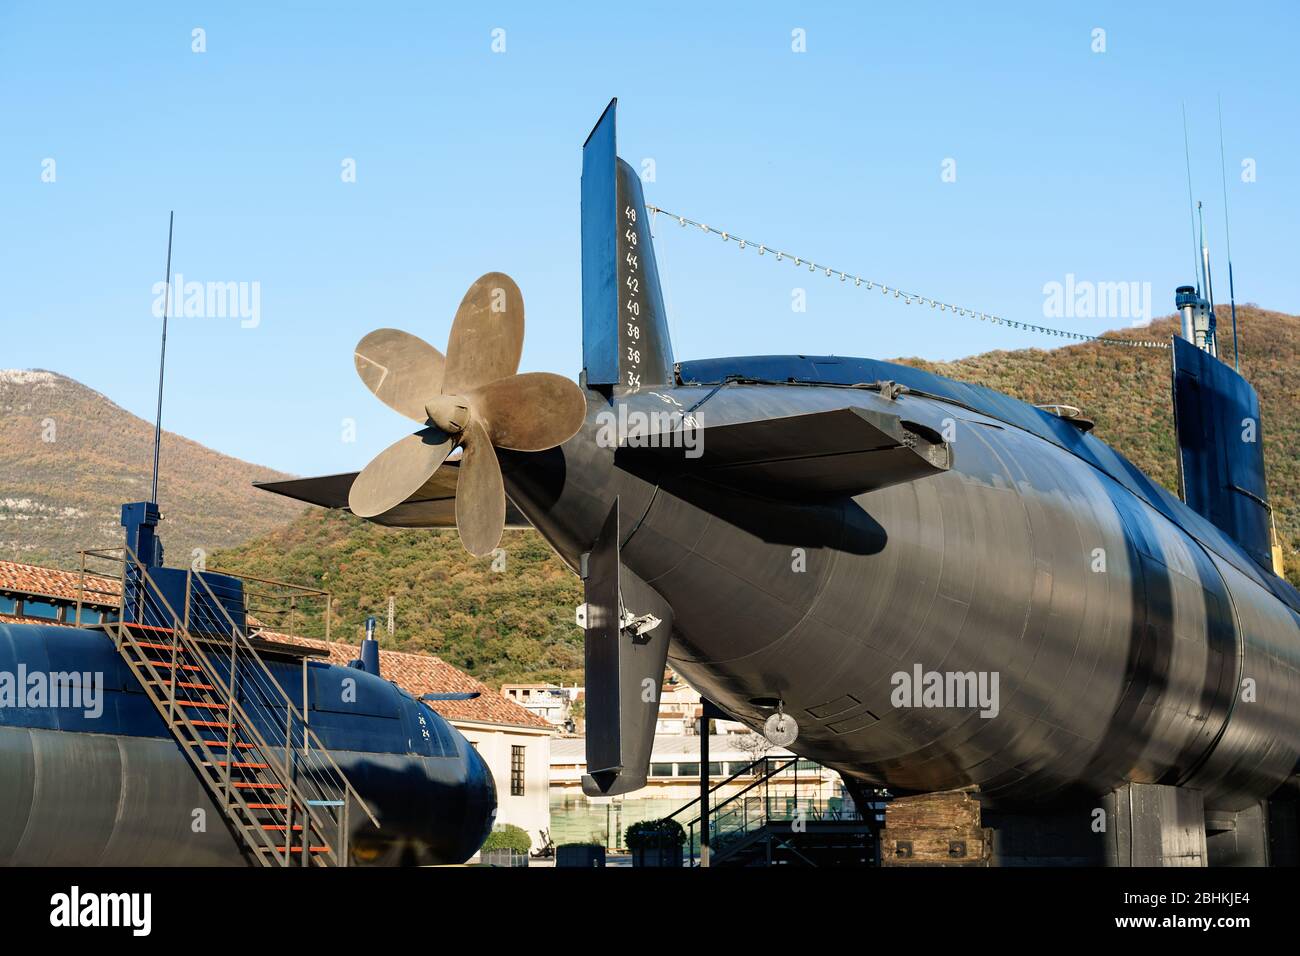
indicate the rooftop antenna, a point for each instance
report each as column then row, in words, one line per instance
column 1191, row 210
column 1227, row 235
column 162, row 358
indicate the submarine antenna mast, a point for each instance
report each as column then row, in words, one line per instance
column 1227, row 235
column 162, row 358
column 1191, row 206
column 1212, row 335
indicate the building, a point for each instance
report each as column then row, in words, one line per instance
column 680, row 706
column 673, row 781
column 551, row 702
column 40, row 595
column 680, row 709
column 514, row 742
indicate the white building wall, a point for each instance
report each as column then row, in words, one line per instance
column 532, row 811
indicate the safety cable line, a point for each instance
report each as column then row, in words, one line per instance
column 907, row 297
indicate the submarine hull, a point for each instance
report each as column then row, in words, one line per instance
column 107, row 785
column 1124, row 648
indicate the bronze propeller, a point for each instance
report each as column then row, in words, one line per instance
column 472, row 399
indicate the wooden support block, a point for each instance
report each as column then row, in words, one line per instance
column 935, row 846
column 952, row 809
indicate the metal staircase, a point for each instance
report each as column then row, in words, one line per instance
column 775, row 818
column 285, row 797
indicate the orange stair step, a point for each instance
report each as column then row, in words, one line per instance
column 259, row 786
column 200, row 703
column 238, row 745
column 188, row 685
column 296, row 849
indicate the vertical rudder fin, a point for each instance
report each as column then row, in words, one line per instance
column 625, row 340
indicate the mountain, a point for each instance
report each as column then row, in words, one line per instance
column 517, row 623
column 69, row 458
column 511, row 623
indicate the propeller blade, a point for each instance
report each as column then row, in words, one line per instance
column 480, row 494
column 530, row 412
column 399, row 471
column 402, row 370
column 487, row 336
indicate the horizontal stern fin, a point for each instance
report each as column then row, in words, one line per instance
column 433, row 506
column 847, row 451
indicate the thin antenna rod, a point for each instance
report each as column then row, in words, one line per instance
column 162, row 358
column 1212, row 337
column 1191, row 206
column 1227, row 235
column 1205, row 257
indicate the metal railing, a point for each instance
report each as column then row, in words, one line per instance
column 267, row 737
column 777, row 794
column 271, row 605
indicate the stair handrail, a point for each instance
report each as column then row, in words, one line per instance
column 261, row 747
column 317, row 778
column 739, row 773
column 265, row 749
column 321, row 785
column 234, row 708
column 309, row 735
column 789, row 762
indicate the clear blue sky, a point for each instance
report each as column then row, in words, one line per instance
column 1068, row 161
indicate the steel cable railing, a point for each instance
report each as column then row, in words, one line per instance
column 307, row 766
column 269, row 750
column 292, row 752
column 156, row 607
column 326, row 770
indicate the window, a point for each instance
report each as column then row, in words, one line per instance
column 516, row 771
column 8, row 605
column 688, row 770
column 661, row 770
column 35, row 607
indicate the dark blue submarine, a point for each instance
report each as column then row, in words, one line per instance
column 108, row 759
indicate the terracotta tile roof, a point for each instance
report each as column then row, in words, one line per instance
column 415, row 673
column 51, row 582
column 14, row 619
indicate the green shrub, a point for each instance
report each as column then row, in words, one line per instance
column 654, row 834
column 508, row 837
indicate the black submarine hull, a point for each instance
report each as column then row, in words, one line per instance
column 1131, row 641
column 107, row 785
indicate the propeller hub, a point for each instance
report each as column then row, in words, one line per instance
column 449, row 412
